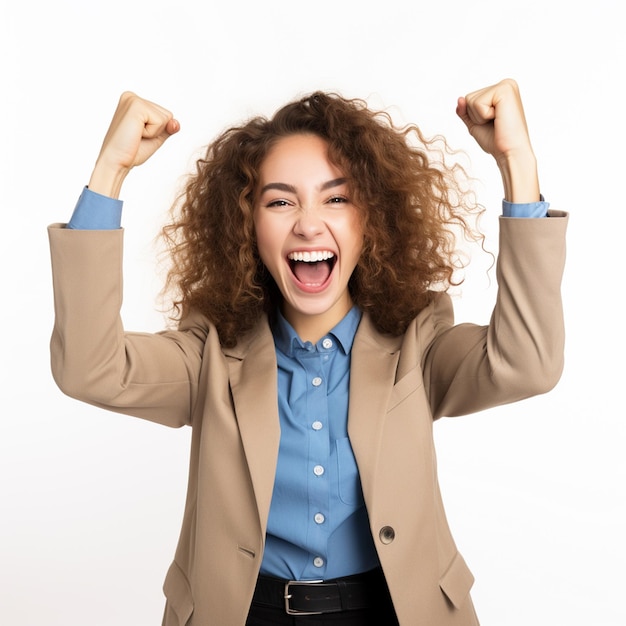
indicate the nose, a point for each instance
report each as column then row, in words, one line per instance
column 308, row 224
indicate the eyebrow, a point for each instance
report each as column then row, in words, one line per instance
column 291, row 189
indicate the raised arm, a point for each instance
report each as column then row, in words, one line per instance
column 138, row 129
column 93, row 359
column 495, row 118
column 468, row 367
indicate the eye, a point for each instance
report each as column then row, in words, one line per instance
column 337, row 200
column 277, row 204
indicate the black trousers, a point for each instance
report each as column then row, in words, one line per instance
column 380, row 614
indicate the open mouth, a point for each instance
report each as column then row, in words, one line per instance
column 312, row 268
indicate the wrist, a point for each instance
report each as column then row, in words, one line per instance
column 107, row 180
column 520, row 178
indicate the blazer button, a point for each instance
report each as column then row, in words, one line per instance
column 387, row 534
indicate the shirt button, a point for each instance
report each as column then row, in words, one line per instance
column 327, row 343
column 318, row 470
column 319, row 518
column 318, row 561
column 317, row 425
column 317, row 381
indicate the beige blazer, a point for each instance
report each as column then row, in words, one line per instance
column 399, row 385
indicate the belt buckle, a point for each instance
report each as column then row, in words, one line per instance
column 287, row 596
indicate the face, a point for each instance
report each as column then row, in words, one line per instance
column 308, row 233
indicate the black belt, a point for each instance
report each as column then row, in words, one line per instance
column 361, row 591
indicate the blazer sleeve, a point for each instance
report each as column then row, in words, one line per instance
column 519, row 354
column 154, row 376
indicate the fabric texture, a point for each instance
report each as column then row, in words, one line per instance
column 398, row 387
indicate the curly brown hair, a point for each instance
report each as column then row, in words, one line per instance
column 410, row 200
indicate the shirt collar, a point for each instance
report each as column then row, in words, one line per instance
column 287, row 340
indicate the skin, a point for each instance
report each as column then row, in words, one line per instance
column 304, row 206
column 495, row 118
column 297, row 211
column 138, row 129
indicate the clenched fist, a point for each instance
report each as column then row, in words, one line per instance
column 138, row 129
column 495, row 118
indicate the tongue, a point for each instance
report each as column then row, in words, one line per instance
column 312, row 273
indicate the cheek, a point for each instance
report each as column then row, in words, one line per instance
column 356, row 228
column 264, row 240
column 259, row 233
column 356, row 254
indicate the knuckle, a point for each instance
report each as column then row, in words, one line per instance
column 126, row 96
column 511, row 83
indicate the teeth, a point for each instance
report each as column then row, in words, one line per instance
column 311, row 257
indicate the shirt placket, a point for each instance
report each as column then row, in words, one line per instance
column 318, row 465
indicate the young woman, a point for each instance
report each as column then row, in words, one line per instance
column 315, row 346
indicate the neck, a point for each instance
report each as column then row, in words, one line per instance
column 313, row 327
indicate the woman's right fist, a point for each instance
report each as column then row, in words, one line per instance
column 138, row 129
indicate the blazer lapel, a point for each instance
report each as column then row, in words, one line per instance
column 254, row 383
column 372, row 375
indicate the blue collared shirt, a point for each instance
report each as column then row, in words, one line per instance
column 318, row 525
column 94, row 211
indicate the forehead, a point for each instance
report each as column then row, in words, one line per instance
column 301, row 156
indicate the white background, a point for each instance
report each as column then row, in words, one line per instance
column 91, row 502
